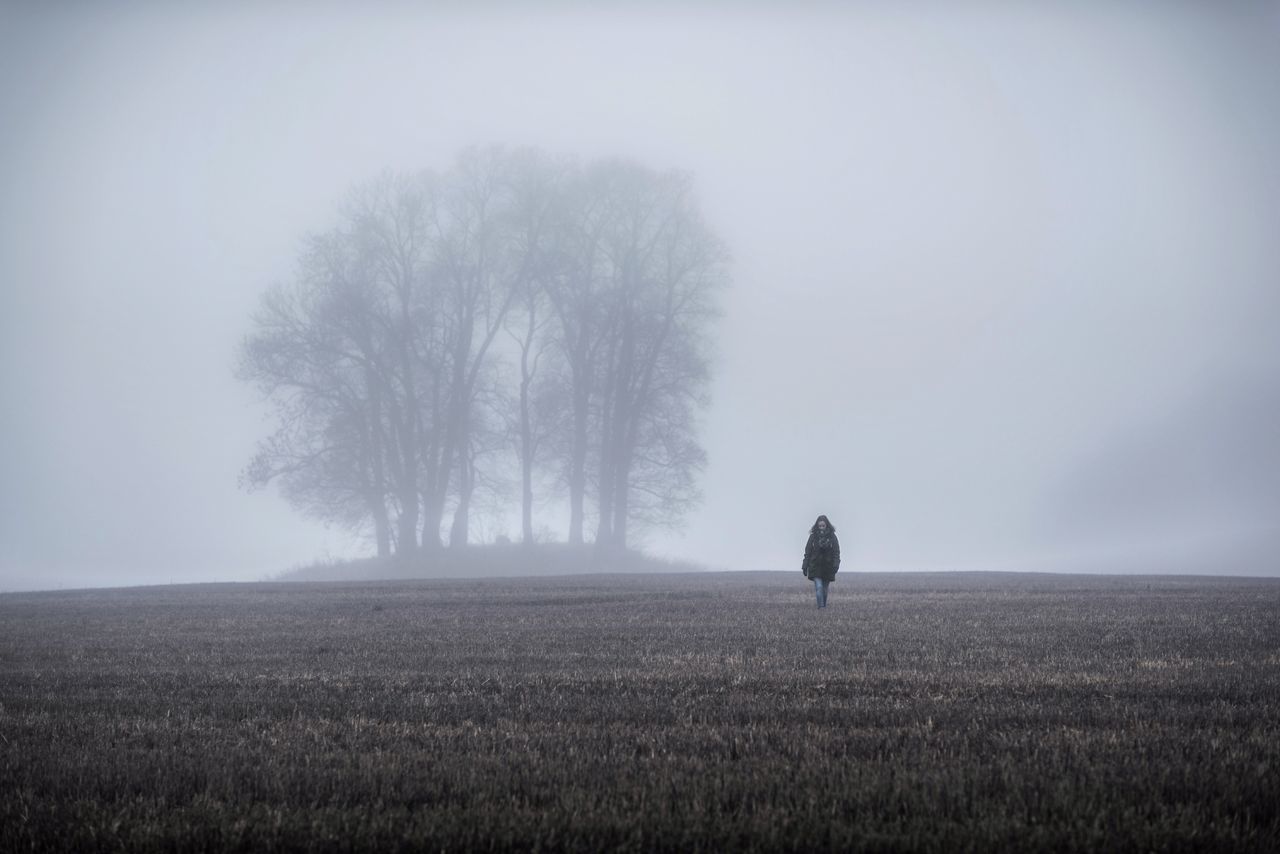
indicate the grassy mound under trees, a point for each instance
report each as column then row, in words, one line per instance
column 499, row 560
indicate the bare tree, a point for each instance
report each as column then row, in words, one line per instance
column 388, row 225
column 660, row 273
column 340, row 352
column 536, row 412
column 313, row 355
column 579, row 298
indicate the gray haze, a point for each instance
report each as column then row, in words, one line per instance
column 1005, row 279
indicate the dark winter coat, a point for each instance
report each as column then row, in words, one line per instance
column 821, row 555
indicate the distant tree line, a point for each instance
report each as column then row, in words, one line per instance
column 518, row 319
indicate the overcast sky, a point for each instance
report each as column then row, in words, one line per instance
column 1005, row 290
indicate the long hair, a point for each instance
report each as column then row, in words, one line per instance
column 830, row 527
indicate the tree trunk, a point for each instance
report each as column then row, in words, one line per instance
column 407, row 536
column 432, row 516
column 526, row 504
column 620, row 512
column 458, row 533
column 407, row 492
column 381, row 524
column 604, row 526
column 434, row 468
column 526, row 435
column 578, row 461
column 613, row 488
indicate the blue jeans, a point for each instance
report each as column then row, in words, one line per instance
column 820, row 586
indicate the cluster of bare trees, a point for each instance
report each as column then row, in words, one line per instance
column 519, row 318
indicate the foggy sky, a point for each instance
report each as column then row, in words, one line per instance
column 1005, row 280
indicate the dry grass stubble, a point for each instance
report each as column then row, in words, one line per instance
column 652, row 713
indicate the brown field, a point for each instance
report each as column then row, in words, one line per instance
column 681, row 712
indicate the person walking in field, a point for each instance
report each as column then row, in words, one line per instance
column 821, row 558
